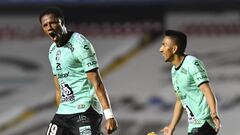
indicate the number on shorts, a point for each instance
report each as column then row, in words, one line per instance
column 52, row 129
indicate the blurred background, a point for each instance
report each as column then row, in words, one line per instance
column 126, row 35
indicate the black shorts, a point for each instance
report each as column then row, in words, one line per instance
column 86, row 123
column 206, row 129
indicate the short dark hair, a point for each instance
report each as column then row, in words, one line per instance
column 180, row 39
column 52, row 10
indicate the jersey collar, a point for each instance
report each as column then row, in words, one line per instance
column 177, row 68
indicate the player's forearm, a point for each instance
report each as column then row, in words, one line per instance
column 57, row 90
column 177, row 113
column 102, row 96
column 57, row 98
column 211, row 100
column 95, row 78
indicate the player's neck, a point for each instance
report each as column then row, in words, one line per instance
column 178, row 60
column 65, row 37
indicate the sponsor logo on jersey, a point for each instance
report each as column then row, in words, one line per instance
column 91, row 63
column 86, row 47
column 58, row 67
column 63, row 75
column 199, row 66
column 203, row 77
column 67, row 93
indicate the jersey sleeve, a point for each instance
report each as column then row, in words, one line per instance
column 86, row 54
column 198, row 72
column 54, row 72
column 51, row 57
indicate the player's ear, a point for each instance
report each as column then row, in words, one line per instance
column 175, row 48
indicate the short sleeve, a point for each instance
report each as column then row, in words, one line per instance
column 198, row 72
column 54, row 70
column 86, row 54
column 51, row 59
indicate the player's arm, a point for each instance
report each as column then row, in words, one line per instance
column 211, row 100
column 200, row 76
column 95, row 79
column 205, row 88
column 177, row 113
column 57, row 89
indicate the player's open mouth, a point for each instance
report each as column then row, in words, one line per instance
column 52, row 34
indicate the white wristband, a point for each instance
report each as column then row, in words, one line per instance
column 108, row 113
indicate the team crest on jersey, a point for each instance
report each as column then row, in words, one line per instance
column 58, row 55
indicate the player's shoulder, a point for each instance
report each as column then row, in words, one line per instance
column 80, row 43
column 191, row 59
column 79, row 37
column 188, row 61
column 78, row 40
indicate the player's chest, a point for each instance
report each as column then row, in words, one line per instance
column 63, row 58
column 181, row 78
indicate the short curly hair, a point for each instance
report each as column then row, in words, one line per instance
column 52, row 10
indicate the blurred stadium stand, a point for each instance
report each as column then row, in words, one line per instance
column 126, row 36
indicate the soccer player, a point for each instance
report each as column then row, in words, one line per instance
column 191, row 86
column 80, row 93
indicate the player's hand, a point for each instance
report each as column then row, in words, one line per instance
column 167, row 131
column 217, row 123
column 152, row 133
column 111, row 125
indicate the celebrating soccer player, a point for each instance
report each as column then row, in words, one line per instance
column 80, row 93
column 191, row 86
